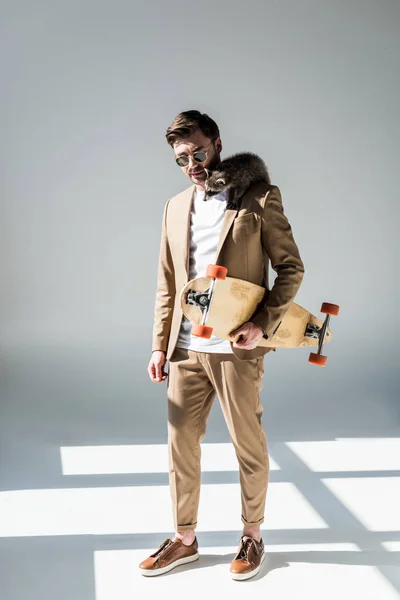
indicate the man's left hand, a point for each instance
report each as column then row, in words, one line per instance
column 250, row 334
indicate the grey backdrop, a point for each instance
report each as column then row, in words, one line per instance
column 88, row 90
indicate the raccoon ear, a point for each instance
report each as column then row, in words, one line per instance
column 221, row 180
column 207, row 172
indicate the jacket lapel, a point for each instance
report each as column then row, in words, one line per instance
column 184, row 226
column 229, row 216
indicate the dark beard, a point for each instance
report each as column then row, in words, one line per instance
column 216, row 161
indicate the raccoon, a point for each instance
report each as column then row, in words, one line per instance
column 235, row 173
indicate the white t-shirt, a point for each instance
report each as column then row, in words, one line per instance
column 205, row 227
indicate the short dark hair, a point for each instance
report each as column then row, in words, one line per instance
column 187, row 122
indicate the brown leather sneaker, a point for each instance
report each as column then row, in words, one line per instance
column 249, row 558
column 169, row 555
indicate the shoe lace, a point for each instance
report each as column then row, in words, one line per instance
column 245, row 545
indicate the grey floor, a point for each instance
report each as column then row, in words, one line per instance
column 84, row 493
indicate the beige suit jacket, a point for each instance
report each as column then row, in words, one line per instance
column 253, row 235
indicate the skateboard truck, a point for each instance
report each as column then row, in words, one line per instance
column 316, row 358
column 201, row 299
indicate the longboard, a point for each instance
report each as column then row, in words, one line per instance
column 217, row 304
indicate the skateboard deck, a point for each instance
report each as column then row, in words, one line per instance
column 234, row 301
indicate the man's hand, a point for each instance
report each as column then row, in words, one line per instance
column 250, row 334
column 156, row 367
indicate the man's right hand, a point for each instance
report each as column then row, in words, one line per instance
column 156, row 366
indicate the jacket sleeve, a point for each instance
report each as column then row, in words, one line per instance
column 165, row 292
column 278, row 242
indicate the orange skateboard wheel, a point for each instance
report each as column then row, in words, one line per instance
column 202, row 331
column 216, row 271
column 317, row 359
column 330, row 309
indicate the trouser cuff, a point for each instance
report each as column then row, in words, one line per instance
column 252, row 523
column 186, row 527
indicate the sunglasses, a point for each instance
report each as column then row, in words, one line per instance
column 199, row 156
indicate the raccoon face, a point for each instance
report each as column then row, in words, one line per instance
column 215, row 183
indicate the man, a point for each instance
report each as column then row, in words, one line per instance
column 244, row 239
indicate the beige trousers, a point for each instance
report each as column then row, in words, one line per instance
column 194, row 379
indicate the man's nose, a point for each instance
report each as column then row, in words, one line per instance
column 192, row 163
